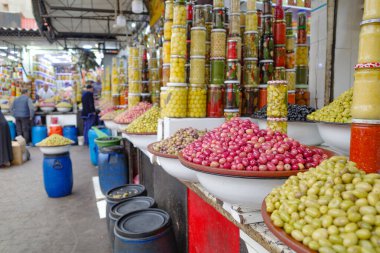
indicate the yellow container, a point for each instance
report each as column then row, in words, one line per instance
column 277, row 99
column 251, row 5
column 135, row 86
column 371, row 9
column 198, row 41
column 169, row 9
column 133, row 99
column 369, row 41
column 166, row 52
column 197, row 101
column 163, row 98
column 179, row 14
column 178, row 41
column 278, row 124
column 134, row 74
column 197, row 70
column 251, row 21
column 168, row 29
column 134, row 52
column 291, row 78
column 302, row 55
column 177, row 69
column 176, row 102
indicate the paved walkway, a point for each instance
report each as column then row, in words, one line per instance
column 31, row 222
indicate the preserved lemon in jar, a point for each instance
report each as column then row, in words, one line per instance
column 369, row 41
column 278, row 124
column 179, row 14
column 134, row 52
column 371, row 9
column 166, row 52
column 165, row 74
column 168, row 30
column 277, row 100
column 291, row 79
column 133, row 99
column 176, row 105
column 135, row 86
column 134, row 62
column 163, row 98
column 178, row 41
column 134, row 74
column 169, row 9
column 302, row 55
column 197, row 101
column 177, row 69
column 251, row 21
column 197, row 70
column 198, row 41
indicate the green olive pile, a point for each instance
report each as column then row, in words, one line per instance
column 174, row 144
column 54, row 140
column 334, row 207
column 146, row 123
column 337, row 111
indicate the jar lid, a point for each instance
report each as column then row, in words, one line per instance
column 290, row 36
column 154, row 69
column 233, row 60
column 277, row 119
column 145, row 94
column 302, row 45
column 197, row 57
column 135, row 81
column 155, row 81
column 302, row 67
column 198, row 28
column 133, row 94
column 187, row 65
column 280, row 68
column 169, row 2
column 207, row 5
column 215, row 86
column 266, row 61
column 177, row 84
column 302, row 86
column 232, row 82
column 370, row 65
column 179, row 26
column 231, row 110
column 219, row 9
column 290, row 70
column 165, row 65
column 178, row 56
column 369, row 21
column 277, row 82
column 217, row 58
column 279, row 21
column 366, row 121
column 279, row 45
column 198, row 6
column 251, row 32
column 116, row 95
column 251, row 12
column 198, row 86
column 263, row 86
column 251, row 86
column 267, row 16
column 234, row 14
column 234, row 38
column 218, row 30
column 144, row 81
column 208, row 43
column 250, row 59
column 164, row 88
column 291, row 91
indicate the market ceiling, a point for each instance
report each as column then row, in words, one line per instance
column 87, row 19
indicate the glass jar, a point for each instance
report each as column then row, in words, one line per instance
column 243, row 15
column 199, row 16
column 208, row 13
column 250, row 101
column 169, row 10
column 232, row 49
column 153, row 63
column 208, row 52
column 278, row 124
column 366, row 98
column 189, row 25
column 251, row 5
column 279, row 32
column 215, row 101
column 179, row 14
column 266, row 71
column 146, row 97
column 277, row 100
column 302, row 95
column 163, row 98
column 178, row 41
column 144, row 87
column 153, row 74
column 218, row 3
column 198, row 40
column 207, row 73
column 289, row 18
column 238, row 47
column 302, row 55
column 302, row 19
column 134, row 52
column 301, row 36
column 134, row 62
column 219, row 18
column 232, row 95
column 251, row 21
column 267, row 21
column 262, row 95
column 197, row 101
column 302, row 75
column 251, row 72
column 133, row 99
column 218, row 43
column 369, row 49
column 267, row 47
column 177, row 69
column 168, row 29
column 166, row 52
column 251, row 42
column 165, row 74
column 208, row 31
column 154, row 85
column 290, row 60
column 144, row 75
column 290, row 43
column 176, row 105
column 235, row 6
column 189, row 8
column 291, row 97
column 234, row 24
column 231, row 113
column 279, row 73
column 291, row 78
column 233, row 69
column 371, row 9
column 267, row 7
column 217, row 70
column 197, row 70
column 134, row 74
column 280, row 56
column 155, row 98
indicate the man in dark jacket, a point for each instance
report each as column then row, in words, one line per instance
column 6, row 155
column 88, row 113
column 23, row 110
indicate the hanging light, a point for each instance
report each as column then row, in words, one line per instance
column 137, row 6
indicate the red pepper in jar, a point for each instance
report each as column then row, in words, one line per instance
column 232, row 95
column 189, row 11
column 279, row 32
column 215, row 101
column 259, row 14
column 262, row 96
column 232, row 70
column 280, row 56
column 302, row 36
column 232, row 51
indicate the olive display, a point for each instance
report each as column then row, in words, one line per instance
column 64, row 105
column 54, row 140
column 295, row 112
column 334, row 207
column 337, row 111
column 146, row 123
column 112, row 115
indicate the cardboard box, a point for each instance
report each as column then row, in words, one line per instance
column 17, row 153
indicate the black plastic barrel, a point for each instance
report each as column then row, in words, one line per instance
column 145, row 231
column 126, row 207
column 122, row 193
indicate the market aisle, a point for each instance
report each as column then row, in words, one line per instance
column 32, row 222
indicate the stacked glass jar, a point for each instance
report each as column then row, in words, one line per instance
column 115, row 82
column 123, row 99
column 250, row 76
column 166, row 51
column 154, row 77
column 134, row 76
column 189, row 25
column 290, row 63
column 302, row 62
column 217, row 61
column 277, row 106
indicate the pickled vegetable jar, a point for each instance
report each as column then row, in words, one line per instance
column 251, row 21
column 168, row 29
column 219, row 18
column 178, row 41
column 176, row 105
column 290, row 42
column 267, row 7
column 145, row 75
column 166, row 52
column 177, row 69
column 197, row 101
column 155, row 98
column 154, row 86
column 153, row 63
column 302, row 55
column 234, row 24
column 145, row 87
column 198, row 40
column 189, row 8
column 134, row 74
column 134, row 62
column 199, row 16
column 366, row 98
column 262, row 95
column 133, row 99
column 154, row 74
column 369, row 49
column 267, row 21
column 238, row 47
column 279, row 32
column 179, row 14
column 302, row 19
column 134, row 52
column 232, row 49
column 280, row 56
column 266, row 71
column 291, row 78
column 208, row 31
column 235, row 6
column 208, row 13
column 279, row 73
column 232, row 95
column 165, row 74
column 251, row 5
column 302, row 75
column 301, row 36
column 233, row 70
column 267, row 47
column 250, row 101
column 197, row 70
column 208, row 52
column 251, row 72
column 277, row 100
column 251, row 44
column 278, row 125
column 290, row 60
column 163, row 98
column 289, row 18
column 302, row 96
column 291, row 97
column 215, row 101
column 146, row 97
column 218, row 3
column 218, row 43
column 231, row 113
column 217, row 70
column 188, row 30
column 371, row 9
column 243, row 14
column 169, row 10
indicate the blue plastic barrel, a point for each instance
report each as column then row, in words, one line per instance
column 12, row 129
column 145, row 231
column 126, row 207
column 113, row 169
column 38, row 134
column 58, row 175
column 71, row 132
column 92, row 145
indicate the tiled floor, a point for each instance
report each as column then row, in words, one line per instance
column 31, row 222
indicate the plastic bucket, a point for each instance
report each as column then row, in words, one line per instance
column 71, row 133
column 92, row 145
column 55, row 129
column 38, row 134
column 12, row 129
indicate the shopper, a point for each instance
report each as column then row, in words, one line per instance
column 88, row 113
column 45, row 92
column 98, row 87
column 23, row 110
column 6, row 155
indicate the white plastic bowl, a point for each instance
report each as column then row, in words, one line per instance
column 47, row 109
column 305, row 132
column 246, row 192
column 337, row 136
column 4, row 110
column 55, row 150
column 175, row 168
column 64, row 109
column 140, row 141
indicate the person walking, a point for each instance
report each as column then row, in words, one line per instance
column 6, row 154
column 23, row 110
column 45, row 92
column 88, row 113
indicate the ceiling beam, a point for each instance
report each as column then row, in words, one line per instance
column 101, row 36
column 64, row 8
column 105, row 18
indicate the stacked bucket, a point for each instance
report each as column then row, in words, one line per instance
column 302, row 62
column 217, row 61
column 134, row 76
column 365, row 127
column 250, row 93
column 290, row 57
